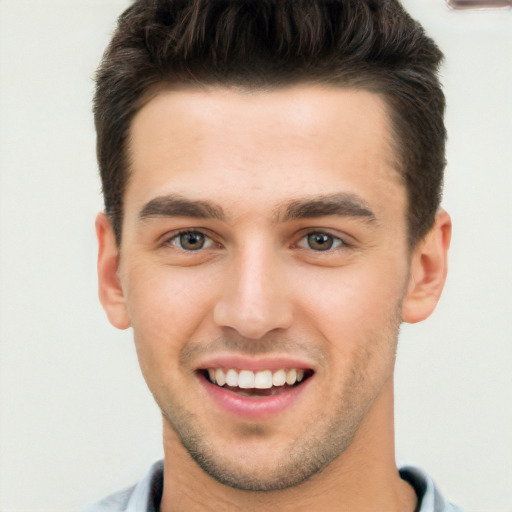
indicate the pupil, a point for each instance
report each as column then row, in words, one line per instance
column 192, row 241
column 320, row 241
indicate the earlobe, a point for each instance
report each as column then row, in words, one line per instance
column 429, row 265
column 109, row 286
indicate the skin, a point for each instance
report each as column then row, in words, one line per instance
column 259, row 290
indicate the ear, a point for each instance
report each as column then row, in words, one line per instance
column 109, row 286
column 429, row 265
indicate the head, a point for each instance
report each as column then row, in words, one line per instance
column 272, row 173
column 371, row 45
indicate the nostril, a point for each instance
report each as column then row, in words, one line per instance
column 253, row 307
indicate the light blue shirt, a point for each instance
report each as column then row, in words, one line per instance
column 146, row 495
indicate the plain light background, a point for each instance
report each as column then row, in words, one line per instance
column 76, row 420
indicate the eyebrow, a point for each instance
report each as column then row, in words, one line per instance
column 178, row 206
column 343, row 205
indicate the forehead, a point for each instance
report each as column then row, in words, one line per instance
column 227, row 142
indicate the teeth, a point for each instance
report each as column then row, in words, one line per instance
column 232, row 378
column 263, row 380
column 247, row 379
column 220, row 378
column 291, row 376
column 279, row 378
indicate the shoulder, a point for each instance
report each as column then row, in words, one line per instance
column 429, row 496
column 116, row 502
column 145, row 496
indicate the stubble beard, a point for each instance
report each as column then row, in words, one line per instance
column 323, row 438
column 298, row 462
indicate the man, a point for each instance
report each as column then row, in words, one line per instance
column 271, row 173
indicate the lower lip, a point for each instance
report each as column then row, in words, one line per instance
column 250, row 406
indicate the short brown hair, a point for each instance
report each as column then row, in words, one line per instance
column 369, row 44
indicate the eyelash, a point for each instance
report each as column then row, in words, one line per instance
column 337, row 243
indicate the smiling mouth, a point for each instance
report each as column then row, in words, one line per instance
column 260, row 383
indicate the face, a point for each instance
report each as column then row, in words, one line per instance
column 263, row 265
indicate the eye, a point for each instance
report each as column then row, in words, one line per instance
column 191, row 241
column 319, row 241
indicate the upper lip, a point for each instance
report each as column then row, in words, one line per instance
column 254, row 363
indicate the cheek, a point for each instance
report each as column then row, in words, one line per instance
column 358, row 315
column 351, row 296
column 166, row 306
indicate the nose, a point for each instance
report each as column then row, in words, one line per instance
column 254, row 300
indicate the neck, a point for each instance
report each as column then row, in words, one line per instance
column 364, row 478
